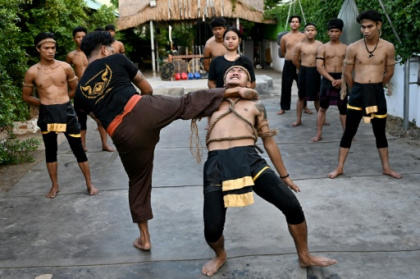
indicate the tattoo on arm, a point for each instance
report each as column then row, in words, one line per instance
column 261, row 109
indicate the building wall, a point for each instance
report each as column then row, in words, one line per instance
column 395, row 102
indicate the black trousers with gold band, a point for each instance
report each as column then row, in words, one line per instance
column 266, row 184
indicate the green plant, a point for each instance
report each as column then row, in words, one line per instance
column 17, row 152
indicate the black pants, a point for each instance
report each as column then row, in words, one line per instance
column 269, row 187
column 352, row 124
column 287, row 77
column 51, row 147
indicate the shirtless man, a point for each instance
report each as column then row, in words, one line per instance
column 117, row 45
column 287, row 44
column 53, row 79
column 78, row 59
column 304, row 58
column 232, row 156
column 329, row 62
column 214, row 46
column 372, row 61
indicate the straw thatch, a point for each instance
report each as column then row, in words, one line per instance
column 135, row 12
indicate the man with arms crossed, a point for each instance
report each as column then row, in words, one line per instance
column 134, row 120
column 372, row 62
column 214, row 46
column 78, row 59
column 309, row 80
column 287, row 44
column 234, row 169
column 329, row 62
column 53, row 79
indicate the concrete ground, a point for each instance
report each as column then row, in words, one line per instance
column 365, row 220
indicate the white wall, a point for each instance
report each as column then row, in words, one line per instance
column 395, row 102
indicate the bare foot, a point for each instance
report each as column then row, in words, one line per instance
column 92, row 190
column 211, row 267
column 317, row 261
column 139, row 245
column 280, row 112
column 107, row 148
column 306, row 110
column 52, row 193
column 392, row 173
column 295, row 124
column 335, row 173
column 316, row 138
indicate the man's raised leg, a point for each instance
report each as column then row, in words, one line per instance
column 383, row 154
column 52, row 171
column 143, row 242
column 300, row 236
column 211, row 267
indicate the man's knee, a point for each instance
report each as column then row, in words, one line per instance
column 294, row 213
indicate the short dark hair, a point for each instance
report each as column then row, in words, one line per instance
column 295, row 16
column 79, row 29
column 335, row 23
column 233, row 29
column 43, row 35
column 95, row 40
column 110, row 27
column 218, row 21
column 369, row 14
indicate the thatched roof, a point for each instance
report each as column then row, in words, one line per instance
column 135, row 12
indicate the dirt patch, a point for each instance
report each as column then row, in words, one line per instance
column 11, row 174
column 394, row 127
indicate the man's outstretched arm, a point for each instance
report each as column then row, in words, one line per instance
column 271, row 147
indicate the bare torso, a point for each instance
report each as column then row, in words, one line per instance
column 290, row 40
column 232, row 126
column 212, row 49
column 334, row 55
column 118, row 47
column 216, row 48
column 51, row 81
column 307, row 52
column 79, row 61
column 370, row 70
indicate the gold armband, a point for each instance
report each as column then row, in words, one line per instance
column 27, row 85
column 72, row 79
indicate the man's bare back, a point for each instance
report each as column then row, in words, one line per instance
column 78, row 59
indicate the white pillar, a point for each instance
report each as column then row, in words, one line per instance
column 152, row 42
